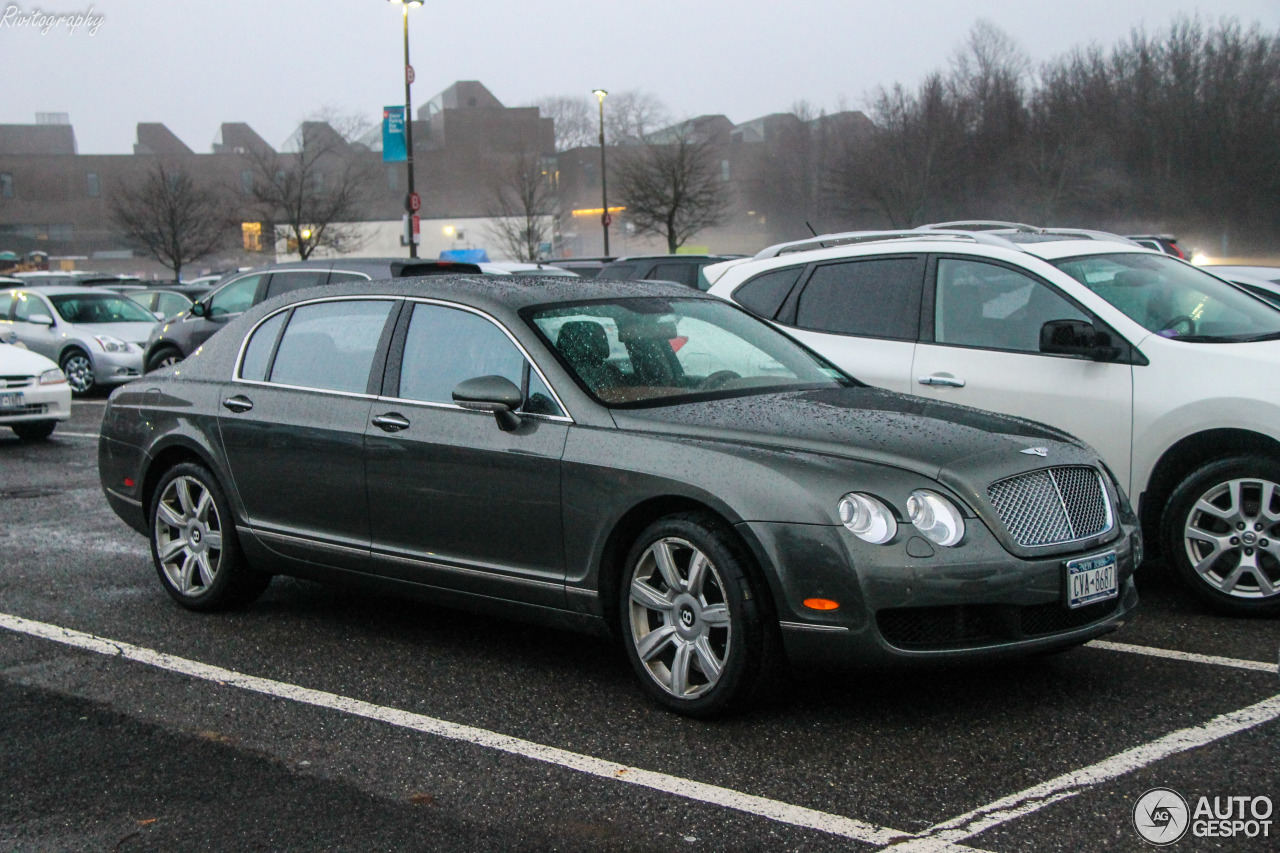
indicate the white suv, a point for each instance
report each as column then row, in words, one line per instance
column 1171, row 373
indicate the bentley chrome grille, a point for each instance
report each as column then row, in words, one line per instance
column 1052, row 505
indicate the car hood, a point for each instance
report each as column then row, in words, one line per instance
column 872, row 425
column 134, row 333
column 17, row 361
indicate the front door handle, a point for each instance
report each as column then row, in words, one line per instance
column 391, row 422
column 238, row 403
column 941, row 379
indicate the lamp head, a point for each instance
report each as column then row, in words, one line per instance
column 599, row 93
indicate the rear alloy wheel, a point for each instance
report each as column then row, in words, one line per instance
column 194, row 544
column 163, row 357
column 1222, row 530
column 79, row 370
column 691, row 624
column 34, row 430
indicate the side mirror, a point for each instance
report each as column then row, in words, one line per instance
column 197, row 309
column 1078, row 338
column 40, row 319
column 496, row 394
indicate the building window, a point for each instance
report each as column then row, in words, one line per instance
column 95, row 185
column 62, row 233
column 724, row 170
column 6, row 185
column 252, row 233
column 246, row 182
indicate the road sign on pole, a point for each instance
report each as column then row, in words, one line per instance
column 408, row 73
column 606, row 219
column 417, row 229
column 415, row 202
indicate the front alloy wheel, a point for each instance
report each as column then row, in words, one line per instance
column 1228, row 532
column 690, row 615
column 79, row 371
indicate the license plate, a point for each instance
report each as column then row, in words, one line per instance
column 1091, row 579
column 11, row 400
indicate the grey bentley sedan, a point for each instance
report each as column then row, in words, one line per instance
column 631, row 458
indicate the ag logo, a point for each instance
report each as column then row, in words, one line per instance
column 1161, row 816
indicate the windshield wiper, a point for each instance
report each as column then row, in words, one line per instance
column 1227, row 339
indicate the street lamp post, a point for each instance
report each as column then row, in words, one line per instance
column 604, row 184
column 408, row 121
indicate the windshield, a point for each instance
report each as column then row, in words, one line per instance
column 646, row 351
column 100, row 308
column 1174, row 299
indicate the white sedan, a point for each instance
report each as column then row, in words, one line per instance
column 34, row 394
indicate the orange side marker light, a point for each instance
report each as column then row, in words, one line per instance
column 821, row 604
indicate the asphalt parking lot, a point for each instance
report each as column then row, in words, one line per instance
column 320, row 718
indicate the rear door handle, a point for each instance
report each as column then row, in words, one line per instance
column 938, row 379
column 391, row 422
column 238, row 403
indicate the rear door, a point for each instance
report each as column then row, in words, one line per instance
column 456, row 502
column 863, row 314
column 982, row 348
column 293, row 425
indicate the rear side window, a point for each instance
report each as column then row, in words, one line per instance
column 877, row 298
column 289, row 280
column 257, row 356
column 682, row 273
column 331, row 345
column 764, row 294
column 340, row 275
column 6, row 299
column 618, row 271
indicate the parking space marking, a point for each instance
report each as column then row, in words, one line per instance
column 1189, row 657
column 63, row 433
column 1068, row 785
column 774, row 810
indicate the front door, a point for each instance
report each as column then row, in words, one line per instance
column 454, row 501
column 985, row 352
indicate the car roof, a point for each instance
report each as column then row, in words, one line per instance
column 674, row 258
column 63, row 289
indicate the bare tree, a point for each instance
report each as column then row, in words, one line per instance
column 632, row 115
column 351, row 126
column 523, row 207
column 575, row 120
column 316, row 192
column 672, row 190
column 171, row 216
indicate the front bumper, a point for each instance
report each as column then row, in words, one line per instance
column 911, row 603
column 39, row 403
column 114, row 368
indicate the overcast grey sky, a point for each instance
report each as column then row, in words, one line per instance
column 194, row 65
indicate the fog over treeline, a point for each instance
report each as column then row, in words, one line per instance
column 1177, row 129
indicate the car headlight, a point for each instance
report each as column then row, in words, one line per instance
column 110, row 344
column 867, row 518
column 53, row 377
column 935, row 517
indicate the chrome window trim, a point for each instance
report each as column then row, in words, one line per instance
column 362, row 275
column 244, row 345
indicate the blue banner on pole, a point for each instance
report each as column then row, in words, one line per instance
column 393, row 147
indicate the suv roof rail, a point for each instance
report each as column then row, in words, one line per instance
column 847, row 238
column 992, row 226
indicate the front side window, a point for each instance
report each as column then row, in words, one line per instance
column 236, row 297
column 329, row 346
column 1173, row 298
column 994, row 307
column 645, row 351
column 99, row 308
column 877, row 298
column 445, row 346
column 26, row 304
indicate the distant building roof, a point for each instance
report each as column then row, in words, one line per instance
column 155, row 138
column 236, row 137
column 37, row 139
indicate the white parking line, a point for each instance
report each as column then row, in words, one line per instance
column 1078, row 781
column 1188, row 657
column 711, row 794
column 64, row 434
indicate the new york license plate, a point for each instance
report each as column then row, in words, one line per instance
column 1091, row 579
column 11, row 400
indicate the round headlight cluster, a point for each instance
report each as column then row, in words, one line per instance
column 867, row 518
column 935, row 517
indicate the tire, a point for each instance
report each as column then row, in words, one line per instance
column 34, row 430
column 79, row 369
column 1221, row 532
column 696, row 644
column 194, row 545
column 162, row 357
